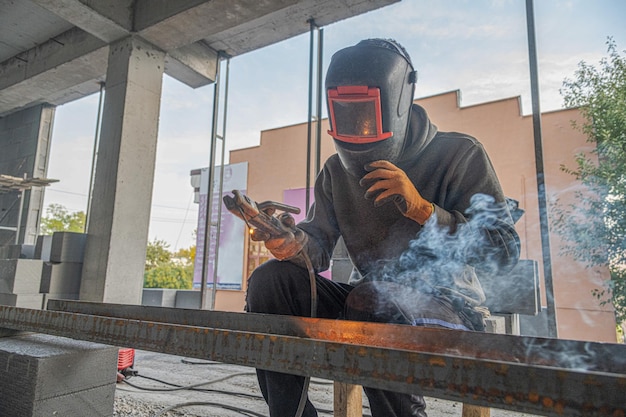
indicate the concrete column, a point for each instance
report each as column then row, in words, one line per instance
column 122, row 192
column 24, row 150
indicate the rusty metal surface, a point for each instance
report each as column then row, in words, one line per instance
column 324, row 348
column 566, row 354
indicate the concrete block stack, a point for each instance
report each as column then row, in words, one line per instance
column 63, row 254
column 44, row 375
column 20, row 277
column 52, row 268
column 190, row 298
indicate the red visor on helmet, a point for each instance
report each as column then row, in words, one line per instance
column 355, row 114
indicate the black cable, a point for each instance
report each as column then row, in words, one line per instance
column 207, row 390
column 211, row 404
column 199, row 384
column 190, row 362
column 313, row 284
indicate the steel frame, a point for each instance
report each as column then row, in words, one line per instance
column 542, row 376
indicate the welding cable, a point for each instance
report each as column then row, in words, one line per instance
column 313, row 284
column 190, row 362
column 211, row 404
column 216, row 391
column 193, row 388
column 200, row 363
column 199, row 384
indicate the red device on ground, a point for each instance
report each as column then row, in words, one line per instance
column 125, row 359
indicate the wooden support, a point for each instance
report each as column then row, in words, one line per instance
column 494, row 324
column 348, row 400
column 475, row 411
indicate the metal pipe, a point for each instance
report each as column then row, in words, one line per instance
column 318, row 130
column 541, row 187
column 433, row 363
column 209, row 196
column 309, row 116
column 221, row 189
column 19, row 215
column 94, row 155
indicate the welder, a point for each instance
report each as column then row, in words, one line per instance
column 394, row 176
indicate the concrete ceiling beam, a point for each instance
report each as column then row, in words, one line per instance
column 194, row 65
column 67, row 59
column 271, row 28
column 49, row 72
column 171, row 25
column 108, row 21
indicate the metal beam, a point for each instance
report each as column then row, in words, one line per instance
column 448, row 364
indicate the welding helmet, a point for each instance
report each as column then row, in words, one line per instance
column 369, row 92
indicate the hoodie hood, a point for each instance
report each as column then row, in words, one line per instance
column 420, row 133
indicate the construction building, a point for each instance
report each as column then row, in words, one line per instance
column 54, row 52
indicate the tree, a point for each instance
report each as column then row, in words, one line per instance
column 157, row 253
column 166, row 270
column 169, row 275
column 595, row 227
column 59, row 219
column 187, row 255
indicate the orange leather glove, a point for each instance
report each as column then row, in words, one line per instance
column 386, row 182
column 284, row 246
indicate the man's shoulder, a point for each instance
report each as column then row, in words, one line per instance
column 333, row 162
column 458, row 137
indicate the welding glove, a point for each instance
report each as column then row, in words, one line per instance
column 386, row 182
column 286, row 245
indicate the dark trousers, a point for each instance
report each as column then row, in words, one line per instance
column 284, row 288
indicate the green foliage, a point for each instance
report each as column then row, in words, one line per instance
column 167, row 270
column 595, row 227
column 59, row 219
column 187, row 255
column 157, row 253
column 169, row 275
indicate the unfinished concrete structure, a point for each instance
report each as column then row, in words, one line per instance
column 56, row 51
column 53, row 52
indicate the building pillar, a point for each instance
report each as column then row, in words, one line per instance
column 24, row 151
column 122, row 191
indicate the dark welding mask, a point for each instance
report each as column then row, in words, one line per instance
column 369, row 90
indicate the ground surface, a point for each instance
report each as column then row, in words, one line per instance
column 232, row 391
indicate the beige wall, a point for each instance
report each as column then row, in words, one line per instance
column 279, row 163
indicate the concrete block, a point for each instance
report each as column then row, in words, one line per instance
column 34, row 301
column 341, row 269
column 514, row 293
column 11, row 252
column 495, row 324
column 68, row 247
column 28, row 252
column 536, row 326
column 20, row 275
column 61, row 278
column 42, row 247
column 95, row 402
column 188, row 299
column 44, row 375
column 17, row 252
column 58, row 296
column 159, row 297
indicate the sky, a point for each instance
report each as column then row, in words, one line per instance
column 478, row 47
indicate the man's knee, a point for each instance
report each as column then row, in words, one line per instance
column 270, row 283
